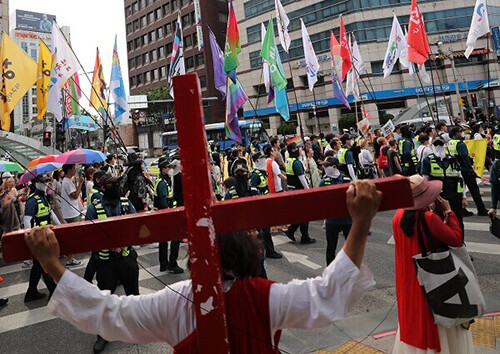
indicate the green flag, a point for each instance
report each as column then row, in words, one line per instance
column 268, row 52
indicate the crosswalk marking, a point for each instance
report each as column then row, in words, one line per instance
column 24, row 318
column 486, row 248
column 476, row 226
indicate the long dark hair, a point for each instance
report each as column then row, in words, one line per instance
column 408, row 222
column 241, row 255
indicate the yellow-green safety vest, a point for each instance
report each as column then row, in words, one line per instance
column 101, row 214
column 170, row 192
column 412, row 153
column 289, row 166
column 42, row 216
column 341, row 155
column 452, row 147
column 263, row 182
column 496, row 142
column 437, row 172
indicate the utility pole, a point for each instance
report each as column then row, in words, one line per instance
column 457, row 90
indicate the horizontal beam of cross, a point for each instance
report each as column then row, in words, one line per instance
column 232, row 215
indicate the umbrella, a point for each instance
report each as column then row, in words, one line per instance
column 81, row 156
column 38, row 170
column 8, row 166
column 43, row 159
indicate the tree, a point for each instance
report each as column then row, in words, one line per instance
column 154, row 94
column 385, row 118
column 347, row 121
column 287, row 128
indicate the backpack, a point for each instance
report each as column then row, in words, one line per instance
column 383, row 162
column 139, row 187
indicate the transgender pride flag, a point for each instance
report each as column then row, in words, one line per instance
column 177, row 60
column 235, row 99
column 336, row 63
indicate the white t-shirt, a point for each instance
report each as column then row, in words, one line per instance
column 365, row 158
column 277, row 179
column 423, row 151
column 70, row 207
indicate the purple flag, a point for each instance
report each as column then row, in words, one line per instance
column 220, row 77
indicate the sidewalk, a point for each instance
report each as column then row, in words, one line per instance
column 485, row 333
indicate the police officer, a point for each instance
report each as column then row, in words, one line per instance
column 164, row 199
column 442, row 166
column 296, row 180
column 496, row 142
column 406, row 146
column 93, row 198
column 458, row 149
column 258, row 180
column 346, row 157
column 38, row 213
column 333, row 176
column 118, row 264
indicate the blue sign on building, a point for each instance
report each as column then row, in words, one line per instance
column 382, row 95
column 496, row 39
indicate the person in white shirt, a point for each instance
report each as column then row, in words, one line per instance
column 278, row 175
column 442, row 131
column 169, row 316
column 70, row 201
column 425, row 148
column 366, row 160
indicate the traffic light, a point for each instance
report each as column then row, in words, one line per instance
column 47, row 138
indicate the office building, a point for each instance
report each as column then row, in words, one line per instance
column 447, row 24
column 150, row 27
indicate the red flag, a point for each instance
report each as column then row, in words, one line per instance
column 345, row 53
column 365, row 113
column 418, row 46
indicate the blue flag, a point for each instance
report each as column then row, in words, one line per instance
column 117, row 89
column 281, row 98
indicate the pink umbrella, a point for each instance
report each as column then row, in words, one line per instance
column 81, row 156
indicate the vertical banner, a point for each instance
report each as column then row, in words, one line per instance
column 477, row 152
column 495, row 31
column 199, row 29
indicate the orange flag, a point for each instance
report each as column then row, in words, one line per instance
column 345, row 53
column 418, row 46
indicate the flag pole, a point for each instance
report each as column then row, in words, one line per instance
column 425, row 96
column 448, row 107
column 315, row 113
column 296, row 99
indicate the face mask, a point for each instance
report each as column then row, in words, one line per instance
column 112, row 192
column 332, row 172
column 440, row 151
column 41, row 186
column 260, row 164
column 170, row 173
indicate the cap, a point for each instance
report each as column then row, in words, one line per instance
column 257, row 156
column 240, row 168
column 330, row 161
column 455, row 130
column 438, row 141
column 306, row 138
column 164, row 163
column 6, row 175
column 108, row 178
column 344, row 138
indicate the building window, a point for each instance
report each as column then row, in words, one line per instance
column 175, row 4
column 168, row 28
column 130, row 46
column 149, row 2
column 138, row 61
column 145, row 39
column 139, row 79
column 161, row 52
column 169, row 48
column 24, row 46
column 130, row 28
column 151, row 17
column 159, row 32
column 144, row 21
column 137, row 25
column 128, row 11
column 153, row 55
column 132, row 81
column 378, row 70
column 154, row 74
column 188, row 42
column 147, row 77
column 152, row 36
column 34, row 54
column 137, row 42
column 222, row 17
column 184, row 3
column 186, row 20
column 135, row 7
column 35, row 110
column 158, row 13
column 131, row 63
column 163, row 72
column 166, row 9
column 200, row 59
column 145, row 58
column 142, row 3
column 462, row 61
column 203, row 81
column 25, row 106
column 189, row 63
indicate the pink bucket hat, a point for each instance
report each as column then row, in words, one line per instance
column 424, row 192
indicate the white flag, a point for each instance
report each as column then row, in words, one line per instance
column 396, row 44
column 352, row 84
column 479, row 26
column 312, row 64
column 423, row 74
column 265, row 64
column 282, row 23
column 177, row 59
column 357, row 61
column 65, row 65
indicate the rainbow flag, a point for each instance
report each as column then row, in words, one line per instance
column 233, row 46
column 97, row 96
column 336, row 64
column 235, row 99
column 297, row 140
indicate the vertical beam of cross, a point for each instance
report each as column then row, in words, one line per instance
column 203, row 251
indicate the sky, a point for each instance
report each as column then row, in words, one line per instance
column 93, row 23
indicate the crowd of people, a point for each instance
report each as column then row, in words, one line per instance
column 75, row 193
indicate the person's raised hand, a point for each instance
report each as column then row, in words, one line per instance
column 44, row 246
column 82, row 179
column 363, row 200
column 443, row 204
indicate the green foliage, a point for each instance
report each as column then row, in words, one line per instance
column 347, row 121
column 287, row 128
column 157, row 93
column 385, row 118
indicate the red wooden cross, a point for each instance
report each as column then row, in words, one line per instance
column 201, row 218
